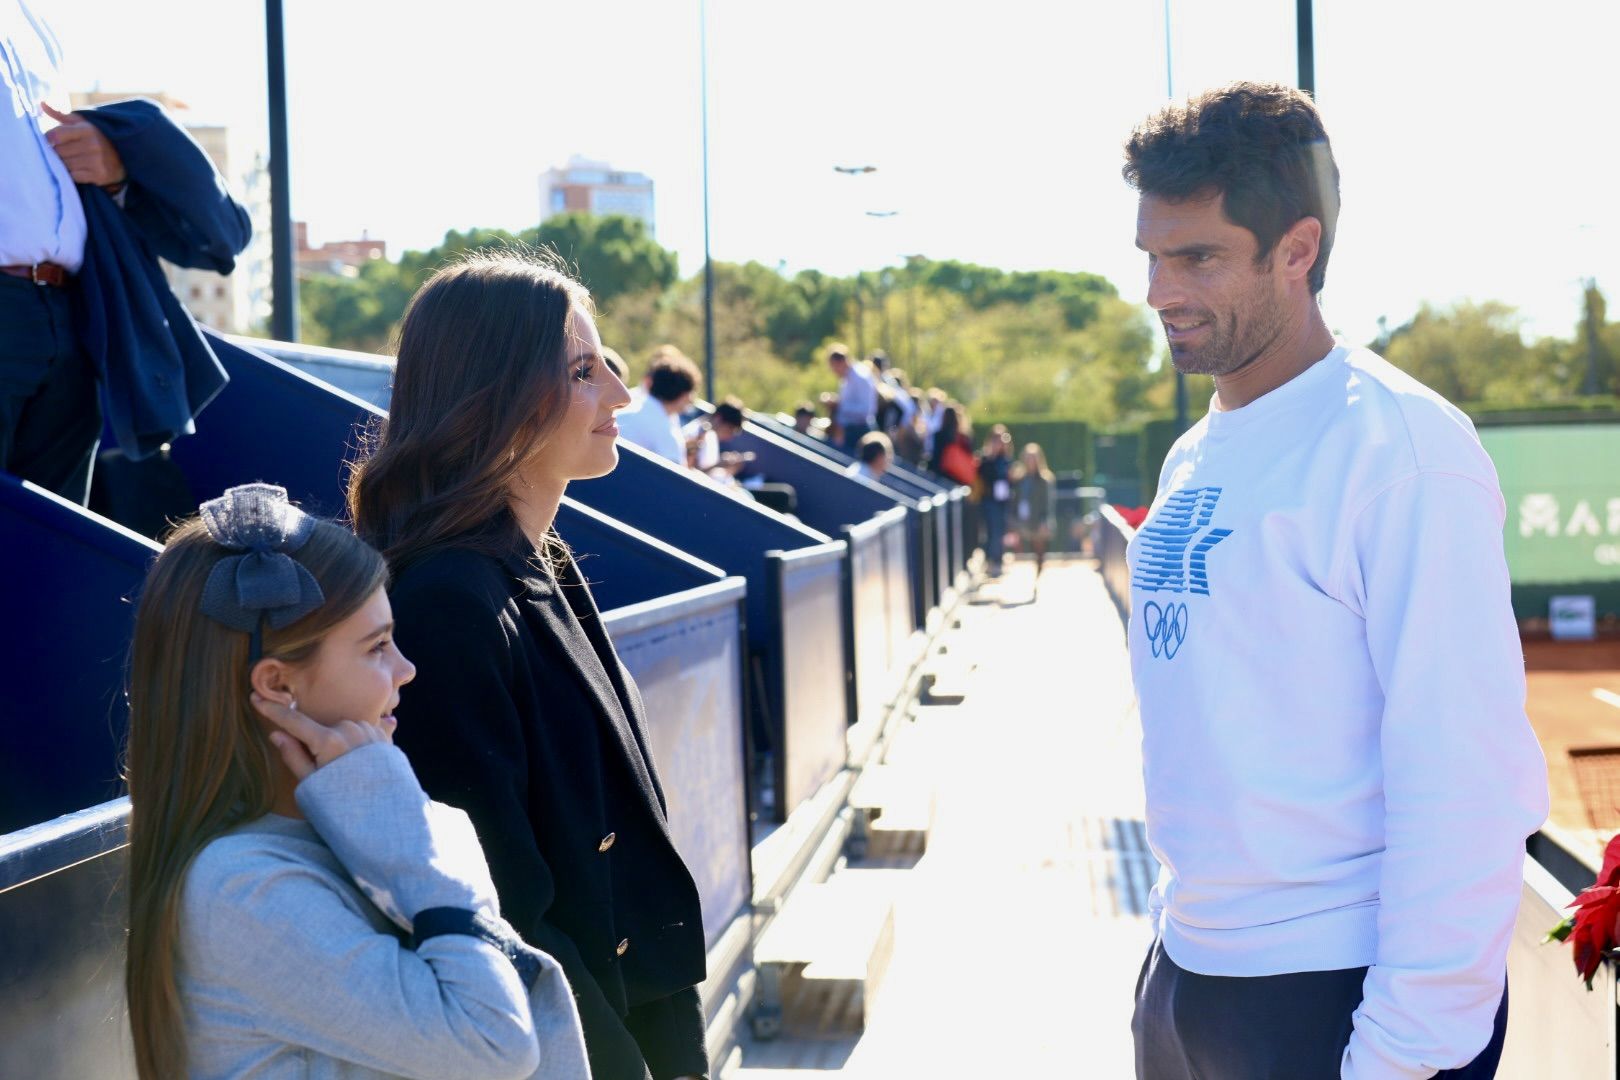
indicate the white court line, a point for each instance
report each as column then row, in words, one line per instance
column 1608, row 696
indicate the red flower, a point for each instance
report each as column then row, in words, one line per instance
column 1594, row 928
column 1610, row 874
column 1596, row 911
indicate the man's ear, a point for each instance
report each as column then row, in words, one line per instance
column 1299, row 246
column 272, row 678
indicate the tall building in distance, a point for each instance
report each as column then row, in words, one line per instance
column 596, row 188
column 239, row 303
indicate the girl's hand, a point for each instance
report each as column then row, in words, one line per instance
column 306, row 745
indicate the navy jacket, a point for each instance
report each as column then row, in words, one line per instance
column 522, row 715
column 156, row 370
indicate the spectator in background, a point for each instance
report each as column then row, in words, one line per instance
column 738, row 461
column 804, row 420
column 872, row 457
column 856, row 411
column 653, row 423
column 953, row 447
column 933, row 408
column 995, row 477
column 84, row 207
column 909, row 439
column 1032, row 487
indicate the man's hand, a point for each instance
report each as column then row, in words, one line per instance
column 87, row 153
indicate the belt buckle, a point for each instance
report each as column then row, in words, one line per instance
column 33, row 275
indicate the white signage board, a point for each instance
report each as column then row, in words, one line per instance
column 1573, row 618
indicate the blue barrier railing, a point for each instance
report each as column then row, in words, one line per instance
column 871, row 649
column 808, row 669
column 70, row 582
column 789, row 717
column 686, row 654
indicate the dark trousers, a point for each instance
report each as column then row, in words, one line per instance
column 1275, row 1027
column 853, row 434
column 995, row 533
column 50, row 412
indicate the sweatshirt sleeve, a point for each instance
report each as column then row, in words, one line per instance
column 268, row 932
column 1464, row 778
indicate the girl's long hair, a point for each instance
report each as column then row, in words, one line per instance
column 198, row 760
column 1020, row 470
column 480, row 383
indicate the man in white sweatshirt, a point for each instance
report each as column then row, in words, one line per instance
column 1340, row 774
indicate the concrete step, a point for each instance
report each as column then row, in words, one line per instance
column 895, row 806
column 830, row 946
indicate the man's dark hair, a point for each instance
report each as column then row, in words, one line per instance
column 616, row 363
column 874, row 445
column 805, row 409
column 672, row 374
column 729, row 412
column 1260, row 145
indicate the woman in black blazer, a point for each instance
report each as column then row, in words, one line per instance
column 521, row 713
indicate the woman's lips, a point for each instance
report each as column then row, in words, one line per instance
column 609, row 428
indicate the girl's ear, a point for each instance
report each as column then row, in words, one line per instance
column 271, row 678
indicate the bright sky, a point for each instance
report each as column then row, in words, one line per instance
column 1477, row 141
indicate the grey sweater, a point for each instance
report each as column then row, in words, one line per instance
column 294, row 956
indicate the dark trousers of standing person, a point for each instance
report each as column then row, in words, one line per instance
column 995, row 534
column 1273, row 1027
column 50, row 411
column 853, row 434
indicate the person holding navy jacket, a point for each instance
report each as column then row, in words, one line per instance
column 520, row 713
column 88, row 202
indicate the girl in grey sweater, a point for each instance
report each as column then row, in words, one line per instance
column 298, row 907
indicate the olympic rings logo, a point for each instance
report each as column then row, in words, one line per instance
column 1166, row 627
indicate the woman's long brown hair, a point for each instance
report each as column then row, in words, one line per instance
column 198, row 760
column 481, row 381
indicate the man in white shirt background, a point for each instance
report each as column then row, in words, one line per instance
column 1340, row 774
column 653, row 422
column 50, row 415
column 856, row 412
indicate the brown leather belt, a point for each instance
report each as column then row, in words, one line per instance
column 45, row 273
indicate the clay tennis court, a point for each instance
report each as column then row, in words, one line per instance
column 1569, row 716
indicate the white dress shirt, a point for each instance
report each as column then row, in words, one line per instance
column 650, row 427
column 41, row 218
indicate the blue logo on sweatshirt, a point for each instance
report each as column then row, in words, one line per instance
column 1166, row 627
column 1173, row 557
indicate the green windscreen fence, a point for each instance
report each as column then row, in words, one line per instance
column 1562, row 486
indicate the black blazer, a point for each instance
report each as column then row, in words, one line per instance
column 522, row 715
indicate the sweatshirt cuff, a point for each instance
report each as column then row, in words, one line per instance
column 1363, row 1061
column 405, row 852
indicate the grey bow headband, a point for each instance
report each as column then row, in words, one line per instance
column 264, row 583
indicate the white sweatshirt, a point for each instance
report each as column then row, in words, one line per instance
column 1339, row 768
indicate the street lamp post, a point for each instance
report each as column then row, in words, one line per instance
column 708, row 258
column 283, row 281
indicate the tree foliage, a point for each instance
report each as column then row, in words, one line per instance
column 1476, row 353
column 1028, row 343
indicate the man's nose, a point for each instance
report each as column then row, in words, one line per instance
column 1164, row 290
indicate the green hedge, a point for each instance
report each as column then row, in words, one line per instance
column 1158, row 436
column 1067, row 441
column 1584, row 410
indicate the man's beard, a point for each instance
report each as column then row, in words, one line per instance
column 1233, row 341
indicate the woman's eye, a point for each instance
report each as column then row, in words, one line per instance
column 381, row 646
column 584, row 372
